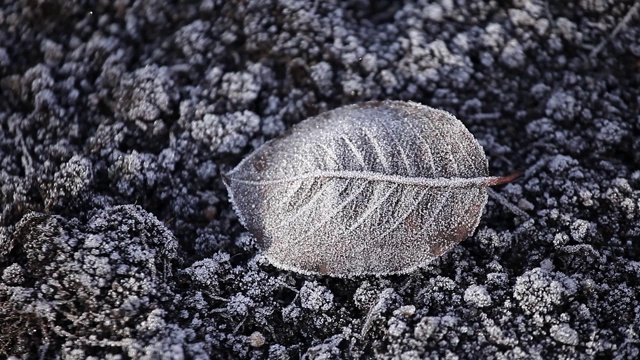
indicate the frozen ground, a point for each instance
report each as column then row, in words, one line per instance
column 118, row 117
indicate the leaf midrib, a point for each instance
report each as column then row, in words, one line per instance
column 452, row 182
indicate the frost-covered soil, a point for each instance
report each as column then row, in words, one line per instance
column 118, row 117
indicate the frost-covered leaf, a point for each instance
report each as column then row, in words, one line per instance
column 374, row 188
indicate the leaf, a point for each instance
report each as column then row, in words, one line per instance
column 374, row 188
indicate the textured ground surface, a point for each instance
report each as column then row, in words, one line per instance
column 118, row 117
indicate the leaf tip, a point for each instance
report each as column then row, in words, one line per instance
column 226, row 178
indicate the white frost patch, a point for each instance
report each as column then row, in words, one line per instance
column 563, row 333
column 478, row 296
column 314, row 296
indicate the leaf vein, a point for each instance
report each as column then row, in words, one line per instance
column 452, row 182
column 317, row 196
column 379, row 153
column 355, row 151
column 373, row 208
column 337, row 209
column 426, row 146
